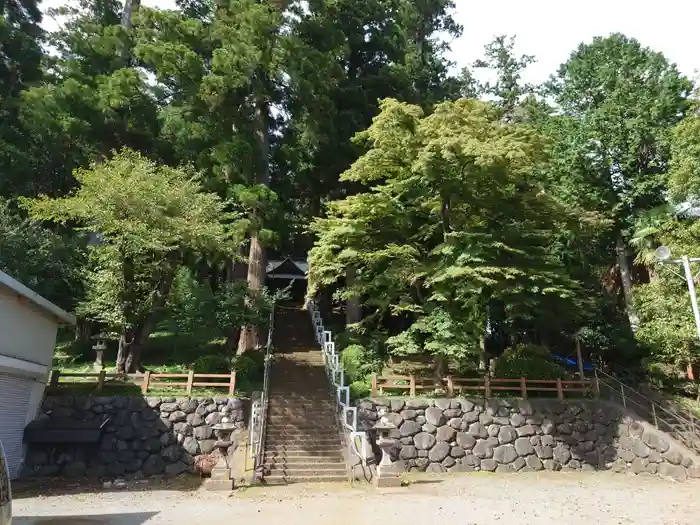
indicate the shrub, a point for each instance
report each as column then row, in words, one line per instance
column 529, row 361
column 353, row 360
column 359, row 389
column 249, row 367
column 359, row 362
column 212, row 364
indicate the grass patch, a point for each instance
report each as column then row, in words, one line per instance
column 688, row 404
column 166, row 352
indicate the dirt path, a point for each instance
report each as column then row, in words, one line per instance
column 532, row 499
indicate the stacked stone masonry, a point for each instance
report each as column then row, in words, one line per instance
column 144, row 436
column 499, row 435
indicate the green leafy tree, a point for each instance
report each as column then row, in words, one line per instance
column 194, row 306
column 20, row 68
column 622, row 100
column 667, row 328
column 451, row 222
column 507, row 89
column 347, row 57
column 148, row 217
column 221, row 65
column 47, row 261
column 684, row 172
column 93, row 99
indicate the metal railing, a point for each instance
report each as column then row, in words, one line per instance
column 336, row 375
column 258, row 413
column 683, row 427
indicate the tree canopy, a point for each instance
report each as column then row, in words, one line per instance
column 153, row 160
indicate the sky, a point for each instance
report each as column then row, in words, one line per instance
column 552, row 29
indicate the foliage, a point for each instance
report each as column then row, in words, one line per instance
column 47, row 261
column 212, row 364
column 529, row 361
column 467, row 224
column 147, row 217
column 359, row 362
column 451, row 221
column 249, row 368
column 360, row 389
column 667, row 329
column 625, row 99
column 193, row 305
column 684, row 172
column 507, row 90
column 647, row 228
column 20, row 60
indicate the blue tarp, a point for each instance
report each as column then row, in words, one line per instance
column 586, row 366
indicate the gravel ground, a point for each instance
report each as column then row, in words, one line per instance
column 532, row 499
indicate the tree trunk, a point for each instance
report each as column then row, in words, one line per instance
column 626, row 278
column 440, row 368
column 256, row 256
column 353, row 310
column 482, row 356
column 132, row 341
column 83, row 329
column 125, row 341
column 127, row 22
column 130, row 7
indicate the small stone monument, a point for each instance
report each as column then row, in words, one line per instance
column 99, row 347
column 386, row 471
column 221, row 473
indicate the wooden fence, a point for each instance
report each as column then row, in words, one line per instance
column 413, row 385
column 146, row 381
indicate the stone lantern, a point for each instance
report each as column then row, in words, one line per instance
column 386, row 471
column 221, row 478
column 99, row 347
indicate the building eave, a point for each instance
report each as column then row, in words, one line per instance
column 17, row 287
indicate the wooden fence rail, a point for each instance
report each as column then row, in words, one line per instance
column 146, row 381
column 413, row 385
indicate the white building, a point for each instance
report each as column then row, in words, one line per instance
column 28, row 326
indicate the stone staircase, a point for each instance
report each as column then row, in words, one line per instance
column 302, row 442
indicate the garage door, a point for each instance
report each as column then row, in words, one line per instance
column 14, row 403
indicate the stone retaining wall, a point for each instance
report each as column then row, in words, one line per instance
column 438, row 435
column 144, row 436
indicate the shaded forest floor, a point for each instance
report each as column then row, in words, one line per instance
column 166, row 352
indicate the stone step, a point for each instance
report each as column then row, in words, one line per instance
column 313, row 356
column 275, row 437
column 220, row 475
column 276, row 479
column 302, row 441
column 307, row 377
column 301, row 354
column 304, row 457
column 324, row 403
column 300, row 410
column 302, row 426
column 318, row 466
column 308, row 472
column 298, row 415
column 302, row 449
